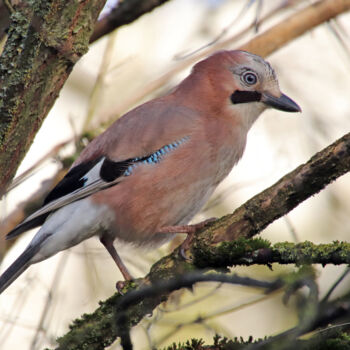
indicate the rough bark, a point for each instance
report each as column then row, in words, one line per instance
column 44, row 42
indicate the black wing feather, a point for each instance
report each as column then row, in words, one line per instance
column 112, row 170
column 38, row 221
column 69, row 183
column 72, row 180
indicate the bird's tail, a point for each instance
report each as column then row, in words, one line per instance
column 19, row 265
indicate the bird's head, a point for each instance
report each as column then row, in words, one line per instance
column 244, row 83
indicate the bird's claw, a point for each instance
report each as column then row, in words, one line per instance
column 192, row 229
column 120, row 286
column 185, row 246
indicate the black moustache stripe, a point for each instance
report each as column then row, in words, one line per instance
column 245, row 96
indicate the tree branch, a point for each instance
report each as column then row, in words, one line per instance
column 258, row 251
column 295, row 26
column 165, row 287
column 44, row 42
column 123, row 13
column 292, row 189
column 246, row 221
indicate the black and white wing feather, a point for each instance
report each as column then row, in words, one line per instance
column 87, row 178
column 81, row 181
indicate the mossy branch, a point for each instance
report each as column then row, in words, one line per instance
column 335, row 339
column 44, row 42
column 220, row 238
column 258, row 251
column 279, row 199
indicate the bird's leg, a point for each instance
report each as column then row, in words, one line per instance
column 108, row 243
column 190, row 230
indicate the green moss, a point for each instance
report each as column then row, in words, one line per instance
column 219, row 342
column 308, row 252
column 226, row 253
column 44, row 40
column 169, row 267
column 340, row 342
column 258, row 251
column 336, row 341
column 193, row 344
column 92, row 331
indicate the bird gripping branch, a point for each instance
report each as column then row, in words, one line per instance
column 149, row 173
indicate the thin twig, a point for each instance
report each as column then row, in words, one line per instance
column 29, row 172
column 166, row 286
column 335, row 285
column 224, row 31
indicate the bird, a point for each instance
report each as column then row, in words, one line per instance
column 145, row 177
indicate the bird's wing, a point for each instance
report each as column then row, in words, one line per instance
column 145, row 135
column 81, row 181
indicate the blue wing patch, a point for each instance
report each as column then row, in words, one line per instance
column 154, row 157
column 109, row 171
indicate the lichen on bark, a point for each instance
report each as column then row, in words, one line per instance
column 44, row 41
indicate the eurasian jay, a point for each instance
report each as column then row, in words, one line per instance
column 149, row 173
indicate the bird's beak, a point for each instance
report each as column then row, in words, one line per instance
column 283, row 102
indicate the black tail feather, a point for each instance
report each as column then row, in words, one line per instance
column 38, row 221
column 20, row 264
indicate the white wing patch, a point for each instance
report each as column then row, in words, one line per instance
column 93, row 184
column 102, row 175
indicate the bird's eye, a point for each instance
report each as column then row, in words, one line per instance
column 249, row 78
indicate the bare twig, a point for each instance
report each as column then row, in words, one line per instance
column 49, row 298
column 167, row 286
column 125, row 12
column 335, row 285
column 295, row 26
column 26, row 174
column 9, row 6
column 257, row 22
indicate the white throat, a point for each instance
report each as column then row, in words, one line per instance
column 249, row 113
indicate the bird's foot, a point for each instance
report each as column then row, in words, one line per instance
column 120, row 285
column 190, row 230
column 123, row 286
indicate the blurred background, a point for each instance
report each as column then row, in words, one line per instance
column 132, row 65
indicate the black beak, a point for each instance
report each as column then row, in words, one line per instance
column 283, row 103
